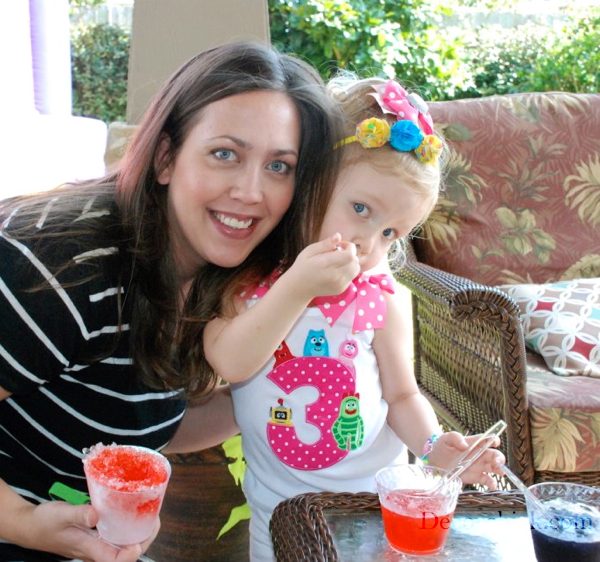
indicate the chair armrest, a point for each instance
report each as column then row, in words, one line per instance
column 470, row 358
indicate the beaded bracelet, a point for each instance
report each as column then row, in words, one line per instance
column 428, row 447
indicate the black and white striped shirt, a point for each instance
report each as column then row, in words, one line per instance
column 67, row 394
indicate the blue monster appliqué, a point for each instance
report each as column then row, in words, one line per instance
column 316, row 344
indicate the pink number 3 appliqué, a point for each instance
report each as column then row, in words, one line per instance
column 333, row 378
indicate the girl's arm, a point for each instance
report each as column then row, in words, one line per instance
column 410, row 414
column 238, row 347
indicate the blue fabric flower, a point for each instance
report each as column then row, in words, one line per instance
column 405, row 136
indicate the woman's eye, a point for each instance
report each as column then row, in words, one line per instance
column 224, row 154
column 389, row 233
column 280, row 167
column 361, row 209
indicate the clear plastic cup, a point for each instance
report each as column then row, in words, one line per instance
column 569, row 529
column 127, row 485
column 414, row 521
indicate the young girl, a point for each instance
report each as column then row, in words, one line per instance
column 320, row 353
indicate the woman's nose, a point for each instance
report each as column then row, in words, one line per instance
column 248, row 187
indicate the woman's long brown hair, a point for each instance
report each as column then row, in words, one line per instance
column 166, row 339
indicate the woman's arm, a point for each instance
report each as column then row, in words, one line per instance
column 238, row 347
column 60, row 528
column 205, row 425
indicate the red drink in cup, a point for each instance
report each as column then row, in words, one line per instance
column 414, row 521
column 127, row 485
column 416, row 535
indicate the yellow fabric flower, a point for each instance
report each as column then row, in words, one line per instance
column 429, row 149
column 373, row 133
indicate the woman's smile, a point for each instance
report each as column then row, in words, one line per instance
column 233, row 222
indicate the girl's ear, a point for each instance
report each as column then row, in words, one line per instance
column 162, row 161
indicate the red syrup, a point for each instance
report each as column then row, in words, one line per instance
column 126, row 469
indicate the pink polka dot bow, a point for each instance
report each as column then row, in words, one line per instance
column 394, row 99
column 367, row 290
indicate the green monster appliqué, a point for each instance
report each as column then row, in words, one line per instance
column 348, row 429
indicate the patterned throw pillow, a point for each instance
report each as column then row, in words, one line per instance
column 561, row 322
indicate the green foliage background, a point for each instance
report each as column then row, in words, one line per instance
column 411, row 40
column 100, row 58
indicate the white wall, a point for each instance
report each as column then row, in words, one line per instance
column 39, row 151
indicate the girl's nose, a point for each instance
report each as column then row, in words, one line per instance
column 248, row 187
column 364, row 246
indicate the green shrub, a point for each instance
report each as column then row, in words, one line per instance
column 501, row 61
column 573, row 61
column 100, row 55
column 371, row 37
column 532, row 58
column 406, row 39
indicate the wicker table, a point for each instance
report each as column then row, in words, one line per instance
column 327, row 527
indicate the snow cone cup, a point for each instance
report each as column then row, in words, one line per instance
column 416, row 522
column 127, row 485
column 569, row 528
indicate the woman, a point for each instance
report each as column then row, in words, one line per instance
column 106, row 286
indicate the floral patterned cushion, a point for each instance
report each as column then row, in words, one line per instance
column 565, row 419
column 521, row 206
column 522, row 197
column 561, row 322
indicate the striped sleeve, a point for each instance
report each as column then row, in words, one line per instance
column 42, row 331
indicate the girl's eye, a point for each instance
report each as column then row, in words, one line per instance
column 224, row 154
column 361, row 209
column 280, row 167
column 389, row 233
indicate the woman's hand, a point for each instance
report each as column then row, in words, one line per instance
column 68, row 530
column 449, row 446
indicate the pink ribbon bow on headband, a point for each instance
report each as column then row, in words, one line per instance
column 370, row 303
column 394, row 99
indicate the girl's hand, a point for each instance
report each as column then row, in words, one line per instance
column 65, row 529
column 325, row 268
column 452, row 444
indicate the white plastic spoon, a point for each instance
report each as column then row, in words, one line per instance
column 534, row 501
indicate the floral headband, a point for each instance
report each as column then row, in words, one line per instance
column 412, row 131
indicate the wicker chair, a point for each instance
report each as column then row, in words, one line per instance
column 469, row 347
column 470, row 359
